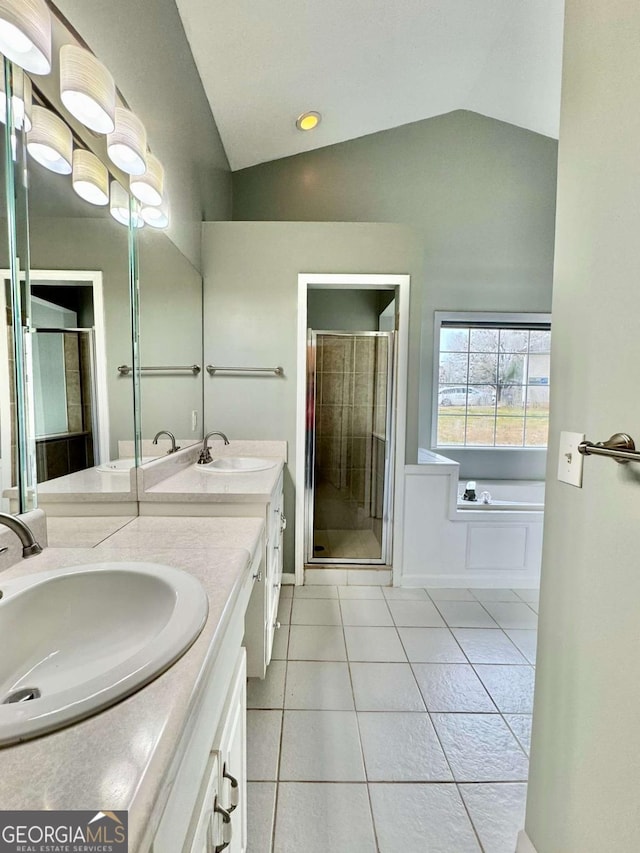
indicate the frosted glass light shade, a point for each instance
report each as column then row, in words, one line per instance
column 49, row 141
column 20, row 100
column 148, row 188
column 90, row 177
column 127, row 144
column 25, row 34
column 156, row 217
column 87, row 88
column 119, row 206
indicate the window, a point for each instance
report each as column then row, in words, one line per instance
column 492, row 380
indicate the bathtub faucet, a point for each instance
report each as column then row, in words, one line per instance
column 470, row 491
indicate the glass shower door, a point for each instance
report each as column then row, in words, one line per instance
column 349, row 441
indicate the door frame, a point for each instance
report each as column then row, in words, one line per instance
column 353, row 281
column 101, row 403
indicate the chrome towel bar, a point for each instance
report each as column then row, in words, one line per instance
column 125, row 370
column 211, row 369
column 620, row 447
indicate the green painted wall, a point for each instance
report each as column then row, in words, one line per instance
column 479, row 193
column 144, row 46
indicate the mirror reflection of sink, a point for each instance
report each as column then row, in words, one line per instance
column 122, row 466
column 85, row 637
column 237, row 465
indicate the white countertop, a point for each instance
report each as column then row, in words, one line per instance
column 101, row 486
column 193, row 485
column 119, row 758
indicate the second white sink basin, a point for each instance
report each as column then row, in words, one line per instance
column 76, row 640
column 238, row 465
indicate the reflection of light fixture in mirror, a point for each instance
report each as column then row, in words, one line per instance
column 148, row 188
column 90, row 177
column 87, row 88
column 156, row 217
column 127, row 144
column 20, row 99
column 25, row 34
column 119, row 206
column 49, row 141
column 308, row 120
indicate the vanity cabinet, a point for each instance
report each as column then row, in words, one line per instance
column 206, row 804
column 220, row 817
column 262, row 615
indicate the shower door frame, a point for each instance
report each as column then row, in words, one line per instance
column 310, row 458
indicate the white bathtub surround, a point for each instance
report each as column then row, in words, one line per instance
column 446, row 544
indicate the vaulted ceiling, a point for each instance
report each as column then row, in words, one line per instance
column 370, row 65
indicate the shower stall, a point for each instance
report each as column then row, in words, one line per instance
column 349, row 444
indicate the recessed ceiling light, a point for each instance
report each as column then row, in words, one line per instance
column 308, row 121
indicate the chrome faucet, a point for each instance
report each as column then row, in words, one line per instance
column 205, row 453
column 171, row 436
column 29, row 545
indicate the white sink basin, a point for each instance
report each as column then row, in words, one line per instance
column 122, row 466
column 238, row 465
column 83, row 638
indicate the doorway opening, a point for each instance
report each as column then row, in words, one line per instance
column 352, row 356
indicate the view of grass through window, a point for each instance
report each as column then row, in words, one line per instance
column 493, row 388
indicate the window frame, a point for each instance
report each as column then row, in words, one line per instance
column 476, row 318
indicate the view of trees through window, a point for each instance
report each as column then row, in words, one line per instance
column 493, row 388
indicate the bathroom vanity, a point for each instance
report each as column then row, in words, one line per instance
column 172, row 753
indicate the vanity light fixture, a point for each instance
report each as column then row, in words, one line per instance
column 87, row 88
column 49, row 141
column 90, row 177
column 119, row 206
column 20, row 99
column 25, row 34
column 127, row 143
column 309, row 120
column 148, row 188
column 156, row 217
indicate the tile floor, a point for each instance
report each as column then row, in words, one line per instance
column 393, row 720
column 343, row 543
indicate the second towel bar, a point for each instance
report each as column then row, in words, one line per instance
column 211, row 369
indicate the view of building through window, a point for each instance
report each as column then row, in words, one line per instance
column 493, row 385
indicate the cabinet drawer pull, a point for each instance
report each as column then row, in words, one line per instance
column 235, row 789
column 227, row 830
column 276, row 624
column 258, row 576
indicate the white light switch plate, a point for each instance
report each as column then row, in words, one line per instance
column 569, row 459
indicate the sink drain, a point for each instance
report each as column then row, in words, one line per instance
column 25, row 694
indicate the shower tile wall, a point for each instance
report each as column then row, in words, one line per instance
column 346, row 416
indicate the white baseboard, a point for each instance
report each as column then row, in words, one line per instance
column 503, row 579
column 524, row 845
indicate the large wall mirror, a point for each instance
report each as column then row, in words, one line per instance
column 170, row 348
column 77, row 417
column 103, row 334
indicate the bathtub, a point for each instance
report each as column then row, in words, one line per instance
column 448, row 542
column 506, row 495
